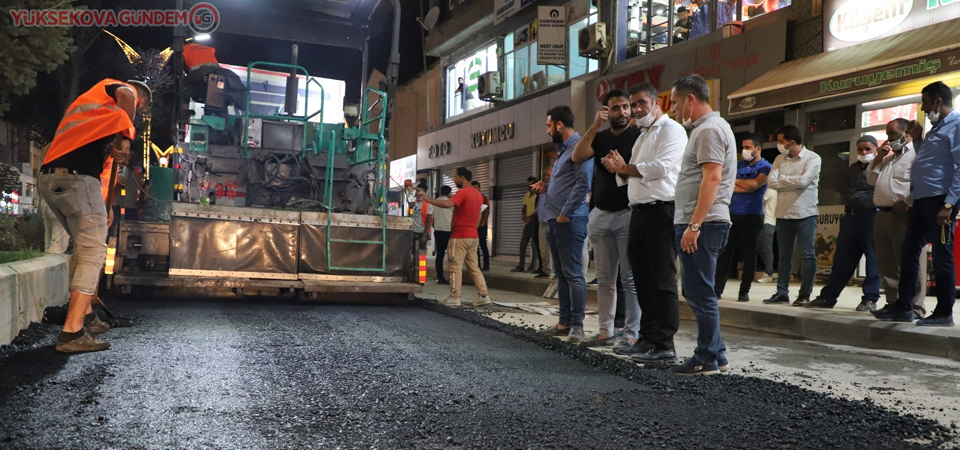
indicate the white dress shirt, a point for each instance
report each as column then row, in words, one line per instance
column 797, row 183
column 892, row 181
column 769, row 207
column 656, row 155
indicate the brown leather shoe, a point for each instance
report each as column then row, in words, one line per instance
column 82, row 344
column 97, row 326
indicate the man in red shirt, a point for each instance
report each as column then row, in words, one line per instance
column 464, row 239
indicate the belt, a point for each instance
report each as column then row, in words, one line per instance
column 59, row 171
column 640, row 206
column 862, row 211
column 885, row 208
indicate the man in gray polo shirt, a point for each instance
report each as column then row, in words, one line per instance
column 701, row 221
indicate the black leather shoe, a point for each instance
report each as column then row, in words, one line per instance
column 895, row 315
column 743, row 297
column 777, row 298
column 656, row 355
column 638, row 348
column 819, row 302
column 802, row 300
column 517, row 269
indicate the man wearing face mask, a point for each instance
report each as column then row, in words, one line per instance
column 566, row 211
column 705, row 185
column 746, row 215
column 855, row 239
column 651, row 180
column 609, row 224
column 889, row 173
column 795, row 176
column 935, row 188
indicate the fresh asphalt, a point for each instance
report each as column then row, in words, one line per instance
column 265, row 373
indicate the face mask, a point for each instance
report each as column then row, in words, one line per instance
column 783, row 149
column 645, row 121
column 688, row 121
column 933, row 117
column 899, row 143
column 746, row 155
column 866, row 158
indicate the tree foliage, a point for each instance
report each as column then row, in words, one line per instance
column 29, row 51
column 9, row 178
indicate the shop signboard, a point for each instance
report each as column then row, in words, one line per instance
column 552, row 35
column 502, row 9
column 402, row 169
column 825, row 244
column 851, row 22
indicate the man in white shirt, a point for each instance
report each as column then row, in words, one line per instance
column 651, row 178
column 889, row 173
column 765, row 240
column 796, row 178
column 442, row 219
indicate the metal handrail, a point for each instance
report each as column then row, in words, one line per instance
column 292, row 115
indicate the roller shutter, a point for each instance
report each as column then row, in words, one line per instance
column 512, row 176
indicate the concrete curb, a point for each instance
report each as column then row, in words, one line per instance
column 27, row 288
column 828, row 326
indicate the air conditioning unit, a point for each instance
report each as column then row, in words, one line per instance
column 488, row 86
column 593, row 40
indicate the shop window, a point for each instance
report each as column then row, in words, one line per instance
column 579, row 65
column 880, row 117
column 837, row 119
column 835, row 162
column 462, row 76
column 754, row 8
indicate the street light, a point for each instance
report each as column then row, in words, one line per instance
column 202, row 37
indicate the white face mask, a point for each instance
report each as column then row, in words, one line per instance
column 866, row 158
column 687, row 122
column 645, row 121
column 746, row 155
column 899, row 143
column 783, row 149
column 933, row 117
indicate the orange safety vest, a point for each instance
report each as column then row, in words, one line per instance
column 93, row 115
column 197, row 55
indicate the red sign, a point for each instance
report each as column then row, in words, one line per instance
column 651, row 75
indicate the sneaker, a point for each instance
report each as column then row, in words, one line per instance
column 593, row 282
column 638, row 347
column 480, row 301
column 936, row 321
column 777, row 298
column 82, row 344
column 597, row 341
column 96, row 326
column 722, row 364
column 443, row 282
column 693, row 366
column 767, row 279
column 895, row 315
column 743, row 297
column 622, row 344
column 517, row 269
column 542, row 275
column 451, row 301
column 485, row 269
column 866, row 305
column 555, row 331
column 534, row 270
column 802, row 301
column 820, row 302
column 576, row 336
column 655, row 356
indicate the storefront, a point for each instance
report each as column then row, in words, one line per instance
column 502, row 148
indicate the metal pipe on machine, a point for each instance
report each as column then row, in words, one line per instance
column 290, row 99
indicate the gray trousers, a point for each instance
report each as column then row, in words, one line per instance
column 609, row 232
column 545, row 260
column 889, row 229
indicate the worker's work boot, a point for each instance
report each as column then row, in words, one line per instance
column 85, row 342
column 94, row 325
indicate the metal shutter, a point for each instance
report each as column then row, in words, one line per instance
column 512, row 176
column 480, row 171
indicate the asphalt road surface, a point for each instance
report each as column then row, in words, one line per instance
column 262, row 374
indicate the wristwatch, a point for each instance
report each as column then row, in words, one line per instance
column 695, row 227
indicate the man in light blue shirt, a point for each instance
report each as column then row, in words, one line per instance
column 935, row 188
column 566, row 213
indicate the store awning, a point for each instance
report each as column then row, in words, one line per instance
column 911, row 55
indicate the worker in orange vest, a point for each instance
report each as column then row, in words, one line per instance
column 98, row 125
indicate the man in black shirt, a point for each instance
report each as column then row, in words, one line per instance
column 681, row 30
column 609, row 224
column 856, row 236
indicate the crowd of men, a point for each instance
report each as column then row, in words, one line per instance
column 653, row 195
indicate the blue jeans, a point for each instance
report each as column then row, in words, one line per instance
column 801, row 232
column 765, row 247
column 697, row 286
column 922, row 228
column 854, row 241
column 566, row 248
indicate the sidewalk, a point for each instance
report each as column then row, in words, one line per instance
column 840, row 325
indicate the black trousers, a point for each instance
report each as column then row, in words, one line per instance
column 620, row 316
column 653, row 255
column 443, row 238
column 742, row 243
column 531, row 232
column 482, row 252
column 922, row 228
